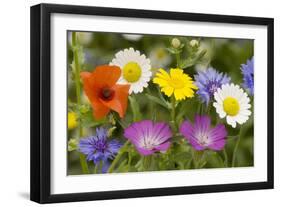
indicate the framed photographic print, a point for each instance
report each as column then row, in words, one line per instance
column 132, row 103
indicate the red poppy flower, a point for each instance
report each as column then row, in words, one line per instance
column 103, row 92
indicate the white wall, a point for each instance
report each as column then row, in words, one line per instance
column 14, row 101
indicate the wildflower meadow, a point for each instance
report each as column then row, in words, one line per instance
column 139, row 102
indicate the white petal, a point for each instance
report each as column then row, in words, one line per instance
column 219, row 110
column 146, row 67
column 245, row 112
column 218, row 97
column 116, row 62
column 147, row 74
column 241, row 119
column 244, row 99
column 230, row 120
column 215, row 104
column 245, row 106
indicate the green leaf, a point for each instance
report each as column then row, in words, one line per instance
column 182, row 159
column 214, row 159
column 158, row 101
column 135, row 109
column 192, row 61
column 147, row 163
column 201, row 54
column 123, row 167
column 186, row 63
column 181, row 46
column 87, row 119
column 173, row 50
column 111, row 130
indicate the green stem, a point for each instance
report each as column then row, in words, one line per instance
column 151, row 105
column 135, row 108
column 225, row 158
column 83, row 161
column 96, row 168
column 197, row 158
column 146, row 162
column 199, row 108
column 118, row 156
column 232, row 137
column 178, row 59
column 173, row 113
column 208, row 108
column 120, row 122
column 236, row 148
column 129, row 158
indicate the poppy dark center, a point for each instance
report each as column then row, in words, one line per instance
column 106, row 94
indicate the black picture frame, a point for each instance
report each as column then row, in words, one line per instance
column 41, row 99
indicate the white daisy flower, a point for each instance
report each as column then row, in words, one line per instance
column 233, row 103
column 136, row 69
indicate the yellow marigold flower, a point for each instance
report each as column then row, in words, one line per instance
column 72, row 120
column 177, row 83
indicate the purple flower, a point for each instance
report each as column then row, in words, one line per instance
column 149, row 137
column 208, row 82
column 248, row 75
column 201, row 135
column 98, row 148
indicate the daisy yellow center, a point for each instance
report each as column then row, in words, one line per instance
column 231, row 106
column 176, row 83
column 132, row 72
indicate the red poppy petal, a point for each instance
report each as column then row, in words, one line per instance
column 120, row 100
column 100, row 110
column 105, row 75
column 122, row 93
column 85, row 75
column 90, row 91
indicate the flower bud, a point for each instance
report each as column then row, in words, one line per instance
column 194, row 43
column 176, row 43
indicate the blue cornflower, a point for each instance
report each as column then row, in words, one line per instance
column 248, row 75
column 208, row 82
column 99, row 149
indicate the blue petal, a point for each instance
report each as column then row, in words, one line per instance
column 208, row 81
column 248, row 75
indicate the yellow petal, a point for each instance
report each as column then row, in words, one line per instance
column 161, row 82
column 179, row 95
column 176, row 73
column 162, row 74
column 168, row 90
column 188, row 92
column 192, row 85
